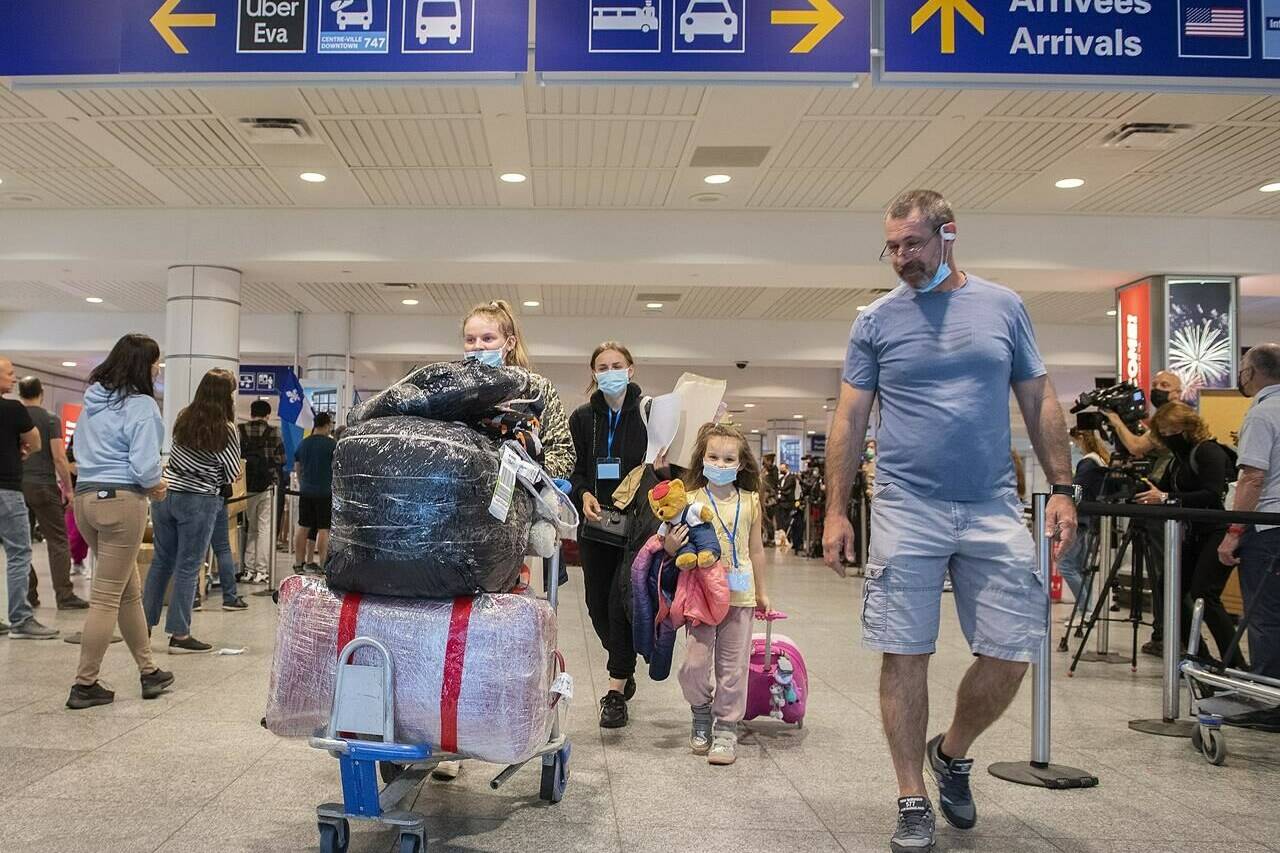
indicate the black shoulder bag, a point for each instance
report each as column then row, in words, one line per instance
column 614, row 526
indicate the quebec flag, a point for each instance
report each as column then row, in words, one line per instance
column 296, row 416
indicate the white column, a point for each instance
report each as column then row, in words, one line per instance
column 202, row 331
column 326, row 356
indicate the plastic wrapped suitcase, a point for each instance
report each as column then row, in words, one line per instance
column 778, row 683
column 473, row 676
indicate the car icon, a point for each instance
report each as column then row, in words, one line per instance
column 708, row 18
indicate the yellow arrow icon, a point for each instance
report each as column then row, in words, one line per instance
column 823, row 18
column 165, row 20
column 946, row 11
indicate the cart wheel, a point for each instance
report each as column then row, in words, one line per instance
column 1197, row 742
column 389, row 772
column 555, row 776
column 334, row 837
column 410, row 844
column 1214, row 747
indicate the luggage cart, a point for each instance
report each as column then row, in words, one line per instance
column 364, row 708
column 1219, row 691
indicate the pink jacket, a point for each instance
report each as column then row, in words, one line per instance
column 702, row 597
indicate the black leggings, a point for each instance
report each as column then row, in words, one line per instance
column 603, row 577
column 1204, row 576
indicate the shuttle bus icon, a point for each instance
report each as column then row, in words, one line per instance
column 439, row 19
column 639, row 18
column 362, row 18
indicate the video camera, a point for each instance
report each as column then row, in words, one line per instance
column 1126, row 475
column 1124, row 398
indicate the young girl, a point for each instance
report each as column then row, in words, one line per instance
column 727, row 480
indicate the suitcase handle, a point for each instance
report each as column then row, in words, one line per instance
column 770, row 616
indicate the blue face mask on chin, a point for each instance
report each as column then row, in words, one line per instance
column 612, row 383
column 490, row 357
column 718, row 475
column 943, row 273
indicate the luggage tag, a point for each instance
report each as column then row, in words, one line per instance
column 739, row 581
column 563, row 686
column 608, row 469
column 500, row 506
column 553, row 503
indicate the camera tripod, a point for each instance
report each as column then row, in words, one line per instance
column 1144, row 548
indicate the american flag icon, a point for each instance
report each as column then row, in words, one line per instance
column 1214, row 22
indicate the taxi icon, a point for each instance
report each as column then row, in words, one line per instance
column 708, row 18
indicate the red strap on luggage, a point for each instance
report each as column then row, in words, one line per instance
column 347, row 619
column 455, row 654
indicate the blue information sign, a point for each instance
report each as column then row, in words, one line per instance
column 1154, row 41
column 712, row 36
column 331, row 37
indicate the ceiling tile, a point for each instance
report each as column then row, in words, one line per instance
column 94, row 188
column 125, row 295
column 13, row 106
column 1099, row 105
column 601, row 300
column 1268, row 204
column 343, row 296
column 1014, row 146
column 608, row 143
column 860, row 144
column 706, row 303
column 34, row 296
column 971, row 190
column 1262, row 110
column 391, row 101
column 265, row 297
column 1224, row 150
column 1069, row 308
column 1165, row 194
column 874, row 101
column 614, row 100
column 818, row 303
column 194, row 142
column 458, row 299
column 121, row 103
column 409, row 142
column 428, row 187
column 44, row 145
column 240, row 187
column 809, row 188
column 602, row 187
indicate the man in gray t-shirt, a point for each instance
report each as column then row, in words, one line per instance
column 941, row 353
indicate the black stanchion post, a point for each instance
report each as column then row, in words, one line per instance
column 1169, row 725
column 1039, row 772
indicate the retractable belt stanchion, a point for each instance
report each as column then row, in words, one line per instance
column 1169, row 725
column 1039, row 772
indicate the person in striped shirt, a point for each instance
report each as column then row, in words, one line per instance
column 203, row 463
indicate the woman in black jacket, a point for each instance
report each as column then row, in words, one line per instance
column 1197, row 479
column 610, row 439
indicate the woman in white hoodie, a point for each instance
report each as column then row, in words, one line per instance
column 118, row 440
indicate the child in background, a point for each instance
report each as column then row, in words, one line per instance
column 726, row 477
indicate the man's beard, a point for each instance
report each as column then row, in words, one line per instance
column 915, row 273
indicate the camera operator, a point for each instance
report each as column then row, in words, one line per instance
column 1165, row 388
column 1091, row 473
column 1197, row 478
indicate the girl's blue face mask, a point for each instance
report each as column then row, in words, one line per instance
column 490, row 357
column 613, row 382
column 718, row 475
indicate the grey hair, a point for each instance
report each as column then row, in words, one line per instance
column 929, row 204
column 1265, row 358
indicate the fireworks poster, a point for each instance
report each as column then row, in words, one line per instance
column 1202, row 334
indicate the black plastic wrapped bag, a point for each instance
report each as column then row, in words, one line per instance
column 447, row 391
column 411, row 512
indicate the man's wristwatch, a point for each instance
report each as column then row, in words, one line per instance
column 1070, row 490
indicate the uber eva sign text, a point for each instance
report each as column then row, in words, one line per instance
column 275, row 26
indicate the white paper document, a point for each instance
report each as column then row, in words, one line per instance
column 675, row 418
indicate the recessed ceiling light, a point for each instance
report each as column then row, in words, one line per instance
column 531, row 303
column 313, row 177
column 862, row 308
column 755, row 432
column 1, row 180
column 748, row 405
column 798, row 417
column 813, row 432
column 1111, row 313
column 93, row 300
column 1270, row 188
column 68, row 364
column 408, row 302
column 654, row 306
column 1069, row 183
column 717, row 179
column 513, row 178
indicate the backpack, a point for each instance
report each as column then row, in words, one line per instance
column 259, row 458
column 1233, row 469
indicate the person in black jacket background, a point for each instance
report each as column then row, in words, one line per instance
column 1197, row 479
column 610, row 439
column 1091, row 473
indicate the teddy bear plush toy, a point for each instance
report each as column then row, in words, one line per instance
column 670, row 502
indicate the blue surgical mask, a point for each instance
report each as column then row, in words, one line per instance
column 944, row 271
column 490, row 357
column 613, row 382
column 718, row 475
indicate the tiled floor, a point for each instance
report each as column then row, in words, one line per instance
column 194, row 772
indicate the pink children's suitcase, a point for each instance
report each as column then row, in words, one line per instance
column 778, row 684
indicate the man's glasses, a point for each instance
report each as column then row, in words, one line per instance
column 909, row 249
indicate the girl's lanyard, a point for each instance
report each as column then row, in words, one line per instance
column 737, row 513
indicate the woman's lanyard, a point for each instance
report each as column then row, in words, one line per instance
column 615, row 418
column 737, row 513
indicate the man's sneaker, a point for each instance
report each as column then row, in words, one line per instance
column 32, row 630
column 724, row 746
column 613, row 710
column 236, row 603
column 1155, row 648
column 197, row 605
column 33, row 599
column 155, row 682
column 954, row 796
column 700, row 737
column 446, row 771
column 244, row 576
column 915, row 826
column 189, row 646
column 86, row 697
column 629, row 691
column 315, row 569
column 299, row 568
column 75, row 602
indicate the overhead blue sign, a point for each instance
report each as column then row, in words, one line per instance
column 712, row 36
column 1152, row 41
column 330, row 37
